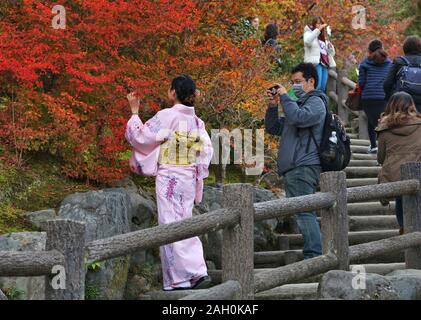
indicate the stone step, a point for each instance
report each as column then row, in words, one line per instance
column 371, row 223
column 359, row 149
column 360, row 142
column 370, row 209
column 168, row 295
column 380, row 268
column 274, row 259
column 362, row 172
column 350, row 130
column 355, row 237
column 353, row 135
column 358, row 182
column 301, row 291
column 278, row 257
column 308, row 291
column 363, row 163
column 396, row 257
column 363, row 156
column 368, row 223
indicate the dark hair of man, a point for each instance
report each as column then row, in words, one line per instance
column 412, row 45
column 308, row 70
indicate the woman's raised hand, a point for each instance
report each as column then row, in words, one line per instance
column 322, row 26
column 134, row 102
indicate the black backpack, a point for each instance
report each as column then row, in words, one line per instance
column 409, row 78
column 333, row 157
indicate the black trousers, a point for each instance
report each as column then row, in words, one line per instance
column 373, row 109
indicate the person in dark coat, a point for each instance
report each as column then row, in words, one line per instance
column 412, row 51
column 372, row 73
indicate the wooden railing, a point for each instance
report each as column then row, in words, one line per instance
column 66, row 244
column 338, row 86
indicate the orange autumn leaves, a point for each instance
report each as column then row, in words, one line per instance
column 63, row 91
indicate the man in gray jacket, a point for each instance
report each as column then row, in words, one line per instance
column 298, row 157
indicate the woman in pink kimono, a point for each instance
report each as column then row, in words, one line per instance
column 175, row 147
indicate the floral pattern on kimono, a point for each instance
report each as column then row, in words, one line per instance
column 178, row 187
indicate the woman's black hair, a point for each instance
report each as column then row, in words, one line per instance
column 185, row 89
column 378, row 53
column 271, row 32
column 375, row 45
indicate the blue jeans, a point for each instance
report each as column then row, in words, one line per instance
column 303, row 181
column 323, row 75
column 399, row 211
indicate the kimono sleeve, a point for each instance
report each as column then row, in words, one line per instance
column 205, row 157
column 145, row 139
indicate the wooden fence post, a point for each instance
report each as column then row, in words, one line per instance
column 362, row 126
column 2, row 296
column 412, row 213
column 331, row 85
column 342, row 94
column 67, row 237
column 335, row 224
column 238, row 241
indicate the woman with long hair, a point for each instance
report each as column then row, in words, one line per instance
column 399, row 133
column 317, row 50
column 175, row 147
column 372, row 73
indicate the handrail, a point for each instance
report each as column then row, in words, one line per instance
column 164, row 234
column 66, row 244
column 127, row 243
column 29, row 263
column 289, row 206
column 381, row 191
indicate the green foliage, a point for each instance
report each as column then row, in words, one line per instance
column 37, row 185
column 92, row 292
column 352, row 74
column 415, row 27
column 94, row 266
column 13, row 293
column 147, row 271
column 242, row 31
column 11, row 220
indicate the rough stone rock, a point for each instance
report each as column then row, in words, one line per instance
column 23, row 288
column 106, row 214
column 399, row 285
column 136, row 286
column 38, row 218
column 407, row 283
column 264, row 231
column 2, row 296
column 144, row 214
column 210, row 265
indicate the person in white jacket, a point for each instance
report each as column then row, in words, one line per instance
column 318, row 50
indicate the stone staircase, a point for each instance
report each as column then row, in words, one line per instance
column 368, row 221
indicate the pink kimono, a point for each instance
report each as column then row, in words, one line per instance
column 178, row 187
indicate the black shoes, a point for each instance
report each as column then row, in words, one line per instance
column 203, row 283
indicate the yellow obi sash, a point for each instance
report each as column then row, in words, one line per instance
column 183, row 149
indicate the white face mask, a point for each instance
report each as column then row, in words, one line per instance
column 298, row 90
